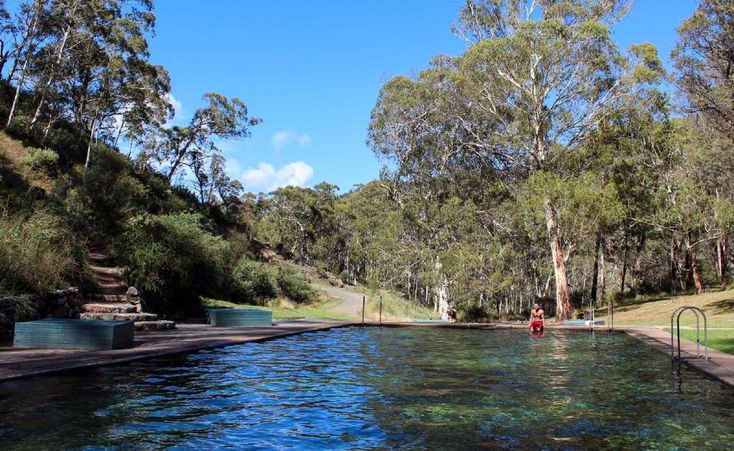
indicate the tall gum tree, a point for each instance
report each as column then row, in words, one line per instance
column 547, row 73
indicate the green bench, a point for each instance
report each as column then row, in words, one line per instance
column 74, row 334
column 227, row 317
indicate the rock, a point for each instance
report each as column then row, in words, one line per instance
column 336, row 282
column 60, row 312
column 132, row 292
column 267, row 254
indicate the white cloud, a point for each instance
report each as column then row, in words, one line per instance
column 178, row 111
column 265, row 177
column 286, row 138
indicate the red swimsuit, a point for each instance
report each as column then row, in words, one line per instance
column 537, row 323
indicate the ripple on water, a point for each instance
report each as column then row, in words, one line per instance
column 378, row 388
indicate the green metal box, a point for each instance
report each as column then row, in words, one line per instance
column 74, row 334
column 240, row 317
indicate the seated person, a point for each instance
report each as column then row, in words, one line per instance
column 537, row 319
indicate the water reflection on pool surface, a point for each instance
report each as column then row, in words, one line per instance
column 377, row 388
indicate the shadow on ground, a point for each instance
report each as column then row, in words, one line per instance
column 723, row 306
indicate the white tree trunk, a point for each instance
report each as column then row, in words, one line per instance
column 442, row 294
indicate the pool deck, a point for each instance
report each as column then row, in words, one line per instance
column 21, row 363
column 18, row 363
column 720, row 365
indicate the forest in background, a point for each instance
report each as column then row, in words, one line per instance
column 543, row 164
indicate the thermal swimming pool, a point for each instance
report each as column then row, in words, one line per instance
column 381, row 387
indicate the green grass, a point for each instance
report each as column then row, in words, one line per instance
column 395, row 307
column 719, row 339
column 318, row 310
column 718, row 305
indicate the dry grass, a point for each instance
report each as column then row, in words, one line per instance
column 718, row 306
column 283, row 310
column 395, row 307
column 12, row 152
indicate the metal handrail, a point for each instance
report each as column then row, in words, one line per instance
column 676, row 316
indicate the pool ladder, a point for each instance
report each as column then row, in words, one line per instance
column 699, row 314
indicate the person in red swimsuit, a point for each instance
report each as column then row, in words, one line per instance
column 537, row 319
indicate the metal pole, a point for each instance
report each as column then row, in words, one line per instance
column 678, row 330
column 612, row 316
column 672, row 333
column 380, row 310
column 705, row 337
column 363, row 303
column 698, row 335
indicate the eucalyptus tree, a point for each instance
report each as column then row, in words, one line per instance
column 547, row 73
column 416, row 127
column 27, row 34
column 221, row 118
column 704, row 60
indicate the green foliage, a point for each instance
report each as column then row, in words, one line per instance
column 44, row 160
column 173, row 260
column 295, row 287
column 254, row 281
column 37, row 253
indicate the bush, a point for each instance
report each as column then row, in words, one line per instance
column 99, row 201
column 44, row 160
column 344, row 276
column 295, row 287
column 254, row 281
column 37, row 253
column 173, row 261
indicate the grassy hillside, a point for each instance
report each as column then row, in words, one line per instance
column 320, row 309
column 718, row 307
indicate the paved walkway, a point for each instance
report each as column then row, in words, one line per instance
column 720, row 364
column 18, row 363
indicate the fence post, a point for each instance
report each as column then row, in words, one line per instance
column 363, row 303
column 380, row 310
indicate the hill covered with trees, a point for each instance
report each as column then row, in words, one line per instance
column 542, row 164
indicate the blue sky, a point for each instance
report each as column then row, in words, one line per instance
column 312, row 71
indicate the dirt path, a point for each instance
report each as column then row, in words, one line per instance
column 351, row 302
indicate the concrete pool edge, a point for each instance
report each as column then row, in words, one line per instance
column 21, row 363
column 720, row 365
column 24, row 363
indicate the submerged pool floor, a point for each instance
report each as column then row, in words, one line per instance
column 377, row 388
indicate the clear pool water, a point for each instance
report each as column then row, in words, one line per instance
column 381, row 388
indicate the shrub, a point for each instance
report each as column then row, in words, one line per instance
column 254, row 281
column 172, row 260
column 37, row 253
column 44, row 160
column 344, row 276
column 99, row 202
column 14, row 309
column 295, row 287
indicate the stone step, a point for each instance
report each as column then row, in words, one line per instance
column 107, row 297
column 111, row 307
column 120, row 316
column 154, row 325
